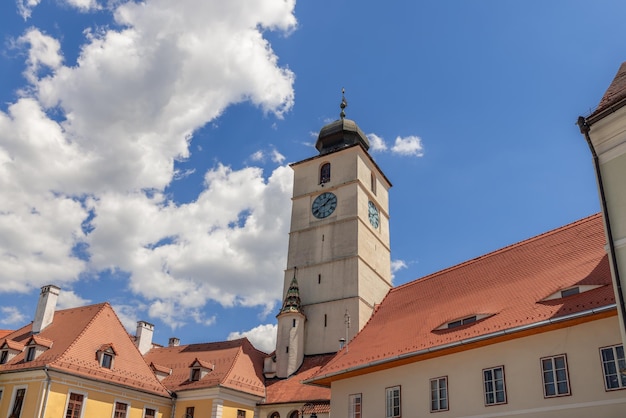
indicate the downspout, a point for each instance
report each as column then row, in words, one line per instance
column 174, row 396
column 585, row 127
column 45, row 396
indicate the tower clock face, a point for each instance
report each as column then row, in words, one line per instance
column 324, row 205
column 373, row 214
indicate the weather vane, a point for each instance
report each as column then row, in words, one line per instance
column 344, row 103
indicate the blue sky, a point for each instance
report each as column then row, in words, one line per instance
column 144, row 147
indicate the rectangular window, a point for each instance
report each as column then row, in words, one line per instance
column 190, row 411
column 439, row 394
column 555, row 379
column 241, row 413
column 354, row 406
column 195, row 375
column 30, row 354
column 18, row 401
column 495, row 389
column 393, row 402
column 120, row 410
column 149, row 413
column 74, row 406
column 4, row 356
column 613, row 367
column 107, row 360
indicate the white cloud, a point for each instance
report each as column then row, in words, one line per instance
column 11, row 316
column 376, row 143
column 410, row 145
column 43, row 51
column 262, row 337
column 407, row 146
column 69, row 299
column 25, row 7
column 258, row 156
column 82, row 183
column 397, row 265
column 277, row 157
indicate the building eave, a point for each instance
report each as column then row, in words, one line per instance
column 564, row 321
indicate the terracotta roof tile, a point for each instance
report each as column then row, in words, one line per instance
column 39, row 340
column 4, row 333
column 615, row 93
column 13, row 345
column 293, row 390
column 77, row 334
column 237, row 365
column 508, row 284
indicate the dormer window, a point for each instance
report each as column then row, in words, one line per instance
column 199, row 369
column 571, row 291
column 9, row 349
column 325, row 173
column 106, row 356
column 466, row 320
column 35, row 346
column 30, row 354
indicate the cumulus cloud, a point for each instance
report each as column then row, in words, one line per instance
column 69, row 299
column 404, row 146
column 410, row 145
column 262, row 337
column 376, row 143
column 43, row 51
column 11, row 315
column 84, row 192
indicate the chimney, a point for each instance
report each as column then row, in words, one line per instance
column 45, row 307
column 174, row 342
column 143, row 340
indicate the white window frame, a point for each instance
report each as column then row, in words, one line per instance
column 490, row 386
column 121, row 402
column 355, row 405
column 154, row 408
column 436, row 386
column 556, row 378
column 13, row 395
column 67, row 401
column 616, row 364
column 392, row 393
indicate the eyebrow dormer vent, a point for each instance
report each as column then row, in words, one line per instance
column 466, row 320
column 570, row 291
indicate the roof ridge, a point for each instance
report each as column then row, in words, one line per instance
column 498, row 251
column 70, row 346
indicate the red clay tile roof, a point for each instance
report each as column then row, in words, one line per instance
column 4, row 333
column 238, row 365
column 293, row 390
column 39, row 340
column 13, row 345
column 509, row 284
column 322, row 407
column 77, row 334
column 615, row 93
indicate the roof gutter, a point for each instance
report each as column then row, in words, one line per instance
column 585, row 126
column 466, row 341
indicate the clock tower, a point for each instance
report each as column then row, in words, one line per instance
column 339, row 253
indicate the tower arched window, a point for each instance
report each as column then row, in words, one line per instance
column 325, row 173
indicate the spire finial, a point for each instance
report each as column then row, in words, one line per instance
column 344, row 103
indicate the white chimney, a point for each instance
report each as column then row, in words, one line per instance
column 45, row 307
column 145, row 330
column 174, row 342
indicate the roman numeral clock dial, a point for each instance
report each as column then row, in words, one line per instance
column 324, row 205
